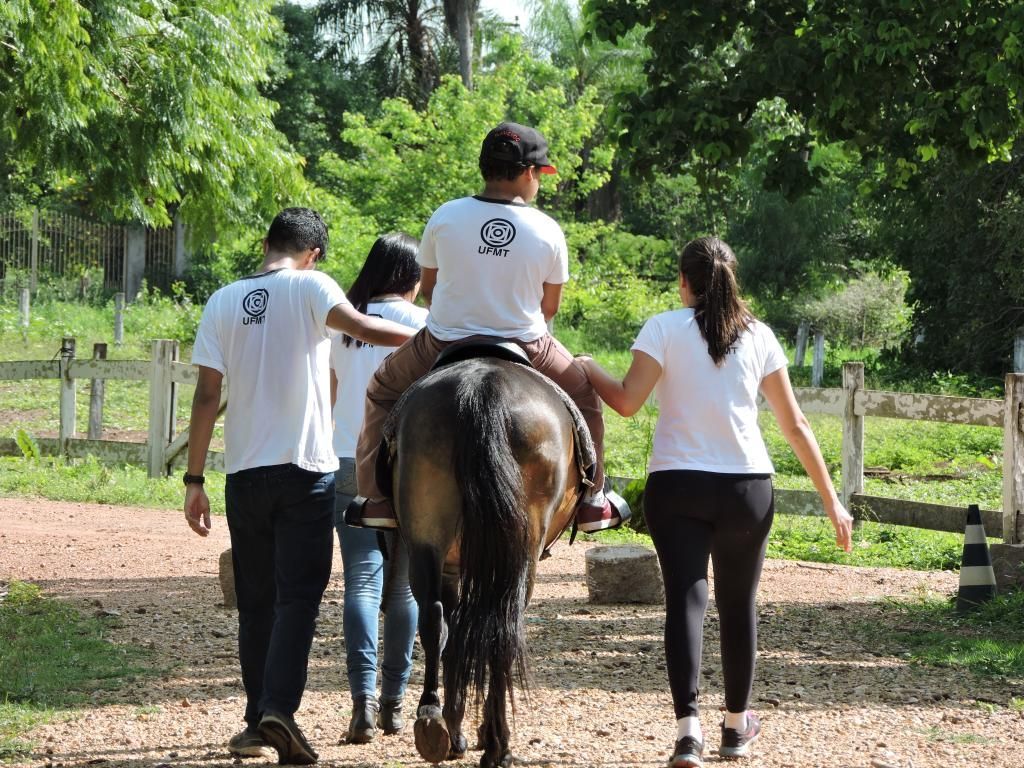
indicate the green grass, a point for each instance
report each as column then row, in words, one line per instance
column 988, row 641
column 16, row 719
column 52, row 659
column 88, row 480
column 941, row 734
column 874, row 544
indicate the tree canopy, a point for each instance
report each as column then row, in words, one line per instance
column 141, row 107
column 899, row 80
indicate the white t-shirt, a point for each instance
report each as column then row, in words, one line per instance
column 493, row 258
column 355, row 364
column 268, row 335
column 707, row 417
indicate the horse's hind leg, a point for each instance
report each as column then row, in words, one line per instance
column 454, row 700
column 494, row 729
column 431, row 733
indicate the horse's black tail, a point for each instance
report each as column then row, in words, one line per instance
column 487, row 643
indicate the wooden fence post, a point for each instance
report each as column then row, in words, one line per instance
column 1018, row 351
column 118, row 318
column 853, row 433
column 96, row 387
column 161, row 395
column 1013, row 460
column 67, row 394
column 818, row 364
column 801, row 343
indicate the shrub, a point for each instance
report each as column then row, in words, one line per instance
column 868, row 311
column 608, row 298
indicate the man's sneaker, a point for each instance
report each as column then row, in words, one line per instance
column 390, row 718
column 367, row 513
column 602, row 511
column 736, row 744
column 689, row 753
column 362, row 729
column 282, row 733
column 249, row 743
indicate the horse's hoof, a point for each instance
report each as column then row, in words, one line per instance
column 489, row 761
column 432, row 739
column 458, row 748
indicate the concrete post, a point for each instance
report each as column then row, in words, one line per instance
column 96, row 392
column 134, row 259
column 67, row 394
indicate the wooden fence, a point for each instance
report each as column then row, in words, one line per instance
column 164, row 450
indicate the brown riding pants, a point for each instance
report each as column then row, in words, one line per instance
column 403, row 367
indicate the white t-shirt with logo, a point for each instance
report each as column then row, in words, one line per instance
column 356, row 363
column 707, row 417
column 493, row 258
column 268, row 335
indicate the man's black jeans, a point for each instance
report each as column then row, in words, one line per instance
column 282, row 537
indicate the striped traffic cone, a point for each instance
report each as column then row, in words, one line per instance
column 977, row 579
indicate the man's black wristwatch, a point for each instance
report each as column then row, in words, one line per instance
column 193, row 479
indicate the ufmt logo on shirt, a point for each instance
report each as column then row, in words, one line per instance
column 496, row 234
column 255, row 306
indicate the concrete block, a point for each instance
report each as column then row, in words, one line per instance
column 227, row 579
column 624, row 574
column 1008, row 563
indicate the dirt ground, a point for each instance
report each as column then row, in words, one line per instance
column 599, row 697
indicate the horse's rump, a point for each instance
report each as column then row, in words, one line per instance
column 483, row 462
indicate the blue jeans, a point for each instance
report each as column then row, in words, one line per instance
column 365, row 569
column 280, row 520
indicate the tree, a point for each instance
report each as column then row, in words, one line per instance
column 136, row 108
column 313, row 90
column 403, row 163
column 460, row 16
column 899, row 81
column 961, row 237
column 407, row 33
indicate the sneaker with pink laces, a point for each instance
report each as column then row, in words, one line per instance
column 737, row 744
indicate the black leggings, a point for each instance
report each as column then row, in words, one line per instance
column 691, row 516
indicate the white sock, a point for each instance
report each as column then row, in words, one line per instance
column 737, row 721
column 595, row 496
column 689, row 726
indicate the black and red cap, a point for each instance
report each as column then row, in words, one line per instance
column 519, row 145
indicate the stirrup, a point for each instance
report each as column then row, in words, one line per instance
column 356, row 514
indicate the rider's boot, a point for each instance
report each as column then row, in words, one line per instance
column 601, row 510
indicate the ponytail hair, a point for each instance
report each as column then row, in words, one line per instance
column 390, row 267
column 709, row 266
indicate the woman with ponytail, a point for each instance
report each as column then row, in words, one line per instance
column 709, row 489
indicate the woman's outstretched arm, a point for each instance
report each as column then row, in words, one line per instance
column 628, row 395
column 797, row 431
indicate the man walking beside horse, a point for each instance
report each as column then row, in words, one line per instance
column 268, row 334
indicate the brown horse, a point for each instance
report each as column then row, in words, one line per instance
column 484, row 476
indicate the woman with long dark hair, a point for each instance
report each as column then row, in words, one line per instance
column 386, row 286
column 709, row 488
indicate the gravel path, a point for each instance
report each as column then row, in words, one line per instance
column 599, row 697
